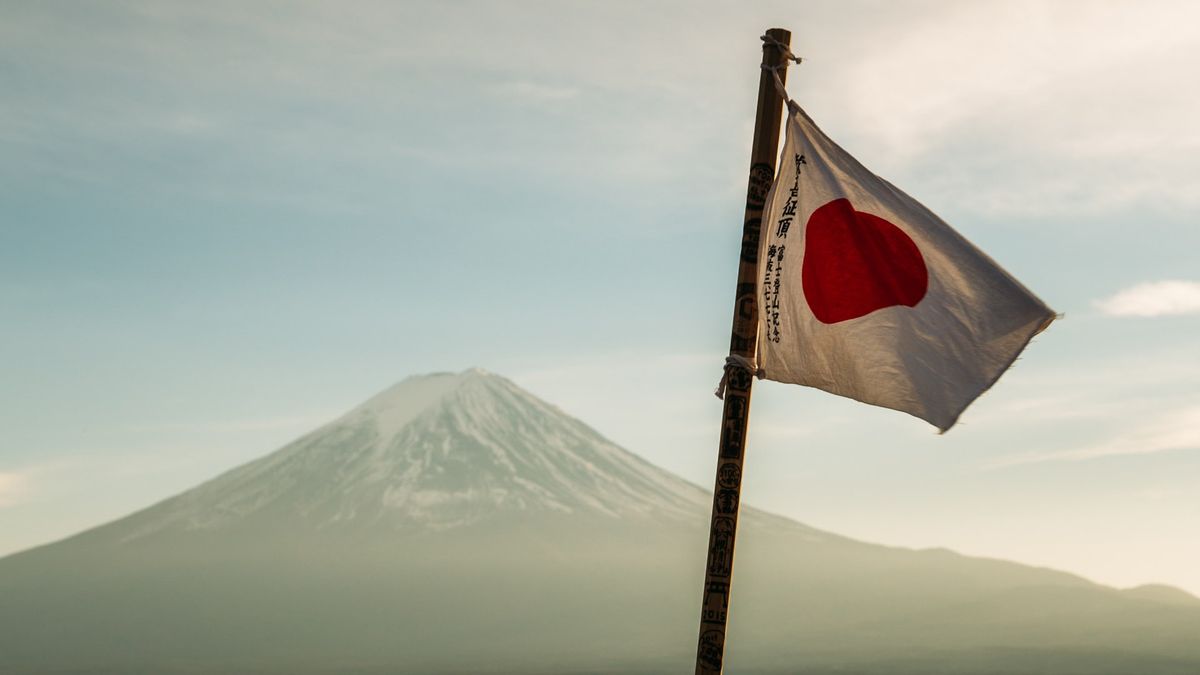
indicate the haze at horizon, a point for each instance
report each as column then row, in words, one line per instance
column 224, row 227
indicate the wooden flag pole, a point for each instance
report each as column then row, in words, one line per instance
column 727, row 492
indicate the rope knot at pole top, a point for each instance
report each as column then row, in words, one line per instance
column 769, row 41
column 787, row 51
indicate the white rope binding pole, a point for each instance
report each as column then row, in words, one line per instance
column 736, row 361
column 774, row 70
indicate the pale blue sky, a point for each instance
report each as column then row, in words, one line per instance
column 224, row 223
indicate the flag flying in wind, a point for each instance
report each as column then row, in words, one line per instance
column 866, row 293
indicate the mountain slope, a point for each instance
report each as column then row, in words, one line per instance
column 432, row 452
column 455, row 523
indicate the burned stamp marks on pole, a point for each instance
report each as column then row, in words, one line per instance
column 733, row 433
column 727, row 502
column 739, row 379
column 729, row 483
column 745, row 332
column 750, row 240
column 729, row 476
column 761, row 176
column 720, row 550
column 716, row 602
column 712, row 643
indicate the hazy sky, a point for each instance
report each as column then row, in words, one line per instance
column 224, row 223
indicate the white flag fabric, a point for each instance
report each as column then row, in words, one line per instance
column 867, row 294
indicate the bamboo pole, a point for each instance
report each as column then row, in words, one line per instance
column 718, row 577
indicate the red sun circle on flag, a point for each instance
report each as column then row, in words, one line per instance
column 856, row 263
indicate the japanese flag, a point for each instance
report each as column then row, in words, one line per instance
column 865, row 293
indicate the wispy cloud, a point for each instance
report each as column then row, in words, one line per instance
column 1170, row 431
column 1041, row 132
column 1069, row 93
column 1157, row 298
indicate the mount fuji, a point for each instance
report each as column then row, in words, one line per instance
column 455, row 523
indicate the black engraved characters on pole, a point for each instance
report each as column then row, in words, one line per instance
column 772, row 283
column 727, row 502
column 716, row 602
column 750, row 237
column 756, row 197
column 736, row 412
column 761, row 175
column 720, row 550
column 729, row 478
column 712, row 643
column 739, row 379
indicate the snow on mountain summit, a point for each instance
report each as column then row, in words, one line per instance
column 393, row 408
column 432, row 452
